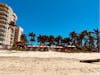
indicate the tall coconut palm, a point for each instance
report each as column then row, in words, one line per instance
column 32, row 37
column 46, row 38
column 97, row 33
column 42, row 39
column 83, row 36
column 58, row 40
column 73, row 36
column 23, row 39
column 79, row 37
column 91, row 41
column 86, row 43
column 51, row 40
column 66, row 41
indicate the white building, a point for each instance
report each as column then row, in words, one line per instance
column 18, row 33
column 7, row 25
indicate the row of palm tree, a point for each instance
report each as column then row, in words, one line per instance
column 85, row 39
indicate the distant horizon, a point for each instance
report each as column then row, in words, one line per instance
column 56, row 17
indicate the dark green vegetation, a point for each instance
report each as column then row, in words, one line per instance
column 85, row 41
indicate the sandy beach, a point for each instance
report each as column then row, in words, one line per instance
column 47, row 63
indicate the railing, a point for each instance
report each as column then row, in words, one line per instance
column 2, row 37
column 2, row 26
column 4, row 17
column 3, row 12
column 2, row 33
column 4, row 6
column 3, row 23
column 3, row 9
column 1, row 42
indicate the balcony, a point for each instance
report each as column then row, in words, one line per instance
column 1, row 42
column 2, row 31
column 1, row 39
column 2, row 21
column 4, row 6
column 2, row 34
column 2, row 26
column 3, row 17
column 3, row 12
column 3, row 9
column 12, row 35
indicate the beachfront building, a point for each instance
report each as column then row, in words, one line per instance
column 7, row 26
column 18, row 33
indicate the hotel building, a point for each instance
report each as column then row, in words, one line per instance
column 18, row 33
column 8, row 26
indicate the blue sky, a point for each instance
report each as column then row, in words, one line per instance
column 56, row 17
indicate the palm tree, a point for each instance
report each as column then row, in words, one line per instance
column 97, row 33
column 23, row 39
column 73, row 37
column 32, row 37
column 46, row 39
column 86, row 39
column 82, row 37
column 91, row 42
column 42, row 39
column 51, row 40
column 66, row 41
column 58, row 40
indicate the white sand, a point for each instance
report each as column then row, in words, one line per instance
column 47, row 63
column 49, row 54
